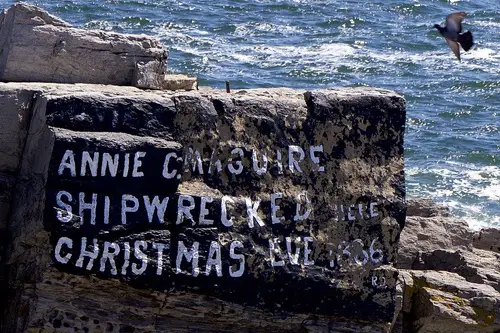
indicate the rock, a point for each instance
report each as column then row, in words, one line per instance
column 426, row 234
column 7, row 183
column 262, row 210
column 22, row 260
column 425, row 207
column 116, row 146
column 487, row 239
column 115, row 113
column 37, row 46
column 445, row 302
column 475, row 266
column 450, row 285
column 16, row 114
column 148, row 74
column 179, row 82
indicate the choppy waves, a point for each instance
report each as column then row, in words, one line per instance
column 471, row 192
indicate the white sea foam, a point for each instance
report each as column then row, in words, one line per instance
column 476, row 216
column 480, row 185
column 320, row 58
column 489, row 177
column 488, row 24
column 412, row 172
column 257, row 28
column 484, row 53
column 491, row 192
column 100, row 25
column 314, row 58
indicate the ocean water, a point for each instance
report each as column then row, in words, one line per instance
column 452, row 143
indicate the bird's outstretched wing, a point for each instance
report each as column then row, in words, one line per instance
column 466, row 40
column 454, row 47
column 454, row 22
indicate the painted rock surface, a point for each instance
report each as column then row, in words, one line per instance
column 284, row 201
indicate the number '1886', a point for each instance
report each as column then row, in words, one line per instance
column 354, row 252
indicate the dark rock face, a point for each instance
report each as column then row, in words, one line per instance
column 260, row 209
column 23, row 241
column 125, row 115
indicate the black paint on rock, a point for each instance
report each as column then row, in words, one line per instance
column 122, row 150
column 354, row 183
column 126, row 115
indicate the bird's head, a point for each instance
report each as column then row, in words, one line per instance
column 437, row 26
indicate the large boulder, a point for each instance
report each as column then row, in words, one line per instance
column 423, row 235
column 16, row 114
column 487, row 239
column 425, row 207
column 447, row 285
column 39, row 47
column 445, row 302
column 430, row 227
column 257, row 210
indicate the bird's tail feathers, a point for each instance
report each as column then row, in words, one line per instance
column 465, row 40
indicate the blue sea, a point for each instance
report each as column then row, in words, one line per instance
column 452, row 143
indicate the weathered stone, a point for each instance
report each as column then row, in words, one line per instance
column 126, row 114
column 451, row 286
column 487, row 239
column 179, row 82
column 445, row 302
column 118, row 149
column 6, row 184
column 15, row 115
column 425, row 207
column 37, row 46
column 24, row 256
column 426, row 234
column 148, row 74
column 337, row 152
column 476, row 266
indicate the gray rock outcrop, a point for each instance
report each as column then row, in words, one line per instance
column 430, row 227
column 487, row 239
column 447, row 284
column 39, row 47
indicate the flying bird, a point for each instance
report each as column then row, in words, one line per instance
column 452, row 33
